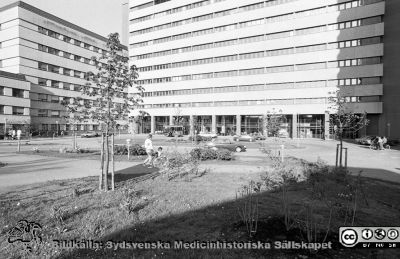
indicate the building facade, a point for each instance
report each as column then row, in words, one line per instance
column 14, row 103
column 54, row 55
column 224, row 64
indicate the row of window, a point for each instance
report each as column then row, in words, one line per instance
column 70, row 40
column 57, row 84
column 241, row 102
column 317, row 29
column 362, row 99
column 265, row 70
column 200, row 4
column 275, row 86
column 267, row 53
column 16, row 110
column 295, row 15
column 68, row 127
column 61, row 70
column 48, row 113
column 19, row 93
column 67, row 55
column 263, row 37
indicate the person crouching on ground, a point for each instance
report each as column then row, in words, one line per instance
column 148, row 145
column 157, row 155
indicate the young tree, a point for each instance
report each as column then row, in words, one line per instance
column 342, row 117
column 105, row 99
column 273, row 122
column 139, row 119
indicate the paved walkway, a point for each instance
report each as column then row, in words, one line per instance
column 28, row 169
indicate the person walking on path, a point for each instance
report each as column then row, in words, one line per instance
column 148, row 145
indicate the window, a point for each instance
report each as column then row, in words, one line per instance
column 42, row 97
column 54, row 99
column 202, row 61
column 55, row 84
column 42, row 66
column 67, row 71
column 226, row 73
column 252, row 55
column 18, row 93
column 42, row 82
column 225, row 58
column 67, row 39
column 42, row 113
column 1, row 109
column 254, row 71
column 54, row 69
column 251, row 39
column 55, row 113
column 77, row 74
column 1, row 90
column 18, row 110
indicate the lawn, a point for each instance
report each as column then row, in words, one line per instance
column 204, row 208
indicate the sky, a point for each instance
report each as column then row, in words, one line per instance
column 100, row 16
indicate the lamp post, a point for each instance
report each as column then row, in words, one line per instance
column 57, row 127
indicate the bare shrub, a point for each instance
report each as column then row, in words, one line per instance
column 247, row 205
column 178, row 165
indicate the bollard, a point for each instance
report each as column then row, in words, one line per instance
column 19, row 145
column 128, row 143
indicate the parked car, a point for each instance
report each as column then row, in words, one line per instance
column 259, row 136
column 89, row 134
column 247, row 138
column 283, row 133
column 207, row 135
column 226, row 144
column 366, row 140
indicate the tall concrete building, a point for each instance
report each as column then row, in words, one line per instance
column 14, row 102
column 54, row 56
column 227, row 63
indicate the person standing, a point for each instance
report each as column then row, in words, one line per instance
column 19, row 132
column 148, row 145
column 380, row 143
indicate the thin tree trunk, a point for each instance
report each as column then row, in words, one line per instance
column 341, row 150
column 107, row 151
column 101, row 163
column 112, row 163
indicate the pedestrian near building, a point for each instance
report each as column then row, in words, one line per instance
column 148, row 145
column 19, row 132
column 380, row 143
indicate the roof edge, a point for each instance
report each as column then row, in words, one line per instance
column 56, row 19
